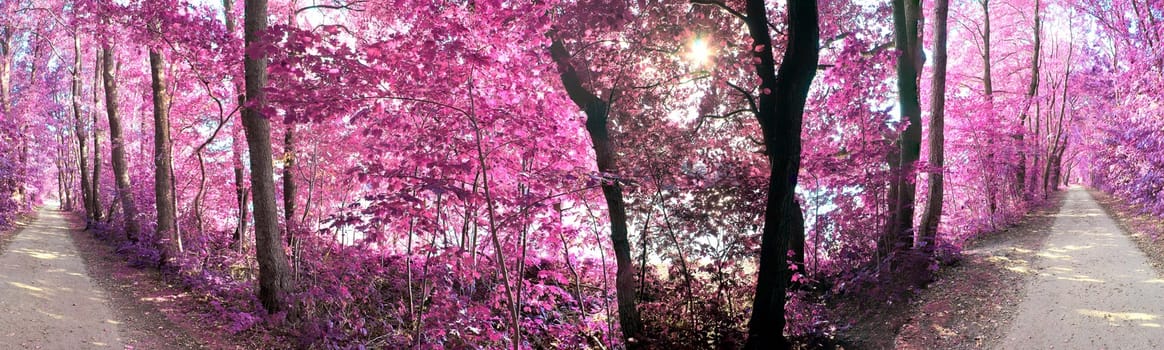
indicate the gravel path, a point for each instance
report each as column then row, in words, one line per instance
column 1094, row 288
column 46, row 299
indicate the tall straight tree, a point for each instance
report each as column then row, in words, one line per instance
column 597, row 112
column 236, row 138
column 903, row 188
column 95, row 187
column 163, row 171
column 780, row 113
column 80, row 133
column 7, row 34
column 289, row 188
column 273, row 267
column 117, row 144
column 933, row 213
column 988, row 86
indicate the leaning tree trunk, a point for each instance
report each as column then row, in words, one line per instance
column 273, row 267
column 907, row 31
column 80, row 132
column 933, row 213
column 597, row 112
column 780, row 114
column 117, row 146
column 163, row 173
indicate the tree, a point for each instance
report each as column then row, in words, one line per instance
column 780, row 111
column 163, row 169
column 933, row 212
column 117, row 144
column 289, row 188
column 597, row 112
column 902, row 194
column 80, row 133
column 95, row 187
column 242, row 194
column 273, row 268
column 1032, row 90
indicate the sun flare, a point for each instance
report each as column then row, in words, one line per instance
column 700, row 52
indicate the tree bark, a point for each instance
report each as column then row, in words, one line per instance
column 987, row 74
column 597, row 112
column 933, row 213
column 6, row 35
column 163, row 172
column 1032, row 90
column 95, row 186
column 290, row 191
column 236, row 148
column 117, row 146
column 988, row 89
column 273, row 267
column 903, row 189
column 780, row 113
column 80, row 133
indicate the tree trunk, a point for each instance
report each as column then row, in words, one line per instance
column 95, row 186
column 6, row 35
column 933, row 213
column 987, row 74
column 988, row 89
column 597, row 112
column 117, row 146
column 236, row 149
column 780, row 114
column 163, row 174
column 907, row 32
column 1032, row 90
column 290, row 191
column 80, row 132
column 273, row 268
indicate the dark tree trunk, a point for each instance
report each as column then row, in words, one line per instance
column 241, row 191
column 987, row 74
column 933, row 213
column 907, row 32
column 597, row 113
column 780, row 113
column 163, row 174
column 1055, row 156
column 290, row 191
column 273, row 267
column 1032, row 90
column 988, row 89
column 117, row 146
column 80, row 133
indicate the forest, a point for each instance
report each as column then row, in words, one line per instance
column 573, row 174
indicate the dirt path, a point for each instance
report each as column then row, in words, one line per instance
column 46, row 299
column 1093, row 290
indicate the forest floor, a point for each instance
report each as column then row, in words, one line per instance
column 970, row 302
